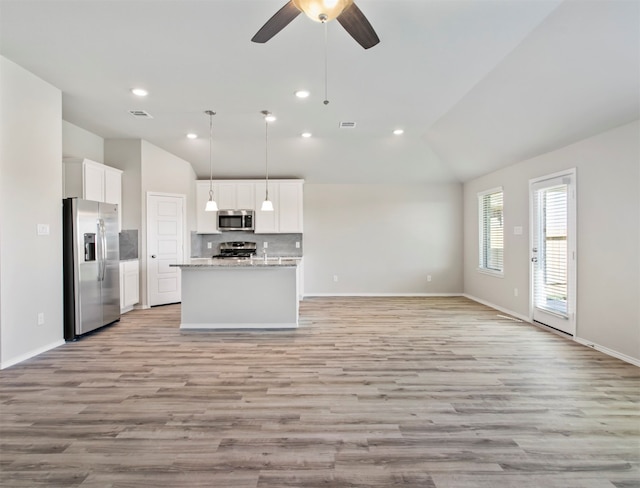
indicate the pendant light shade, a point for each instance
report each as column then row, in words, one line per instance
column 267, row 205
column 211, row 206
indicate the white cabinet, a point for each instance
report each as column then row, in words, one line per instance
column 205, row 221
column 90, row 180
column 286, row 218
column 129, row 285
column 236, row 195
column 290, row 212
column 286, row 196
column 267, row 222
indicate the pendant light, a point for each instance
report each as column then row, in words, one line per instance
column 267, row 205
column 211, row 206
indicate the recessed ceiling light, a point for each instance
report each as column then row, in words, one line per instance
column 398, row 132
column 306, row 135
column 270, row 118
column 191, row 135
column 139, row 92
column 302, row 93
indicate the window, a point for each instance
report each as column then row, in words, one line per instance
column 491, row 224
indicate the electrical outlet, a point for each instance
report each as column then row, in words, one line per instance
column 515, row 292
column 265, row 244
column 209, row 245
column 40, row 318
column 428, row 277
column 335, row 278
column 297, row 244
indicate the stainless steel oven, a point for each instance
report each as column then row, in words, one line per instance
column 235, row 220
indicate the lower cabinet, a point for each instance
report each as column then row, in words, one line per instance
column 129, row 285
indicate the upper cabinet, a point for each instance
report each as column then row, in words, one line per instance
column 90, row 180
column 236, row 195
column 267, row 222
column 205, row 221
column 286, row 196
column 290, row 203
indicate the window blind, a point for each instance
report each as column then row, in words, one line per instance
column 491, row 226
column 550, row 274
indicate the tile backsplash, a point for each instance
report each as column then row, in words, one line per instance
column 128, row 244
column 278, row 244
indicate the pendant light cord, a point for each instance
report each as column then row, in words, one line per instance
column 326, row 64
column 211, row 113
column 266, row 157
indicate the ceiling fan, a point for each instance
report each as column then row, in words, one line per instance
column 344, row 11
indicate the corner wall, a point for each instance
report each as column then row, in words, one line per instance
column 608, row 237
column 30, row 194
column 80, row 143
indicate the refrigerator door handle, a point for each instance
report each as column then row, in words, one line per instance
column 102, row 266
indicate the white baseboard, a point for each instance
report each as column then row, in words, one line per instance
column 608, row 352
column 517, row 315
column 310, row 295
column 30, row 354
column 584, row 342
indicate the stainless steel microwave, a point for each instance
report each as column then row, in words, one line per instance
column 235, row 220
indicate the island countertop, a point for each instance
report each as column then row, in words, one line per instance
column 239, row 263
column 239, row 294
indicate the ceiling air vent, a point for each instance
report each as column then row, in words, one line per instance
column 347, row 125
column 141, row 114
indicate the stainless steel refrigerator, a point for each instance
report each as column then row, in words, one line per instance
column 91, row 266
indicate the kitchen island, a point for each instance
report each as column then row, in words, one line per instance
column 239, row 294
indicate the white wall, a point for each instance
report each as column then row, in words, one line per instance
column 163, row 172
column 383, row 239
column 148, row 168
column 126, row 154
column 30, row 194
column 80, row 143
column 608, row 236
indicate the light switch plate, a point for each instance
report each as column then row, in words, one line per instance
column 517, row 230
column 43, row 229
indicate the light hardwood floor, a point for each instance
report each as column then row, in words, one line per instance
column 368, row 392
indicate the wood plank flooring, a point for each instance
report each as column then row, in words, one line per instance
column 368, row 392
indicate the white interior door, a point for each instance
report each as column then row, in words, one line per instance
column 165, row 236
column 553, row 251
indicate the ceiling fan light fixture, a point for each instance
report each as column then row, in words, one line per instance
column 322, row 10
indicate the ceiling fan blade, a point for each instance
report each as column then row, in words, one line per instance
column 276, row 23
column 357, row 25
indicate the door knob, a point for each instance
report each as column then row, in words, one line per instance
column 534, row 260
column 153, row 256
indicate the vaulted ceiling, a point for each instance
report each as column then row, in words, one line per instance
column 476, row 85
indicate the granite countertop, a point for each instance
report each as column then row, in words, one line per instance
column 238, row 263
